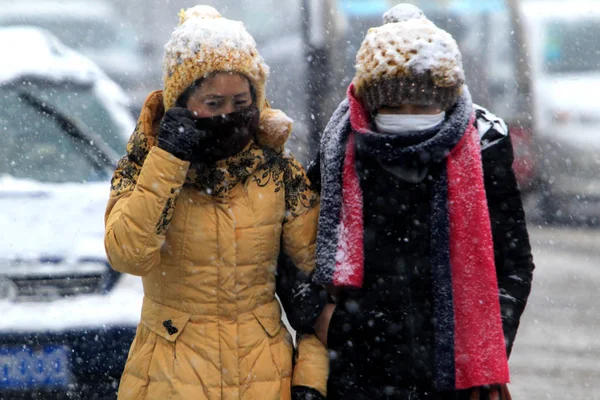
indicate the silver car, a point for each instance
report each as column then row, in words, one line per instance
column 565, row 64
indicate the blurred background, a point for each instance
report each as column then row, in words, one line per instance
column 74, row 75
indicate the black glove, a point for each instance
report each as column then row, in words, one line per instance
column 306, row 393
column 302, row 300
column 178, row 133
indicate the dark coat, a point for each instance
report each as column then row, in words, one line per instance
column 381, row 336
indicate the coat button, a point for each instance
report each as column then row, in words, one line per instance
column 168, row 324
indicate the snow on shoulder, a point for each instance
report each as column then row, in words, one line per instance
column 402, row 12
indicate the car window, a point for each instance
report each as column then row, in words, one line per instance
column 35, row 147
column 81, row 102
column 565, row 44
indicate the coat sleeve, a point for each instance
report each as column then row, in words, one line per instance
column 294, row 280
column 140, row 208
column 302, row 300
column 512, row 250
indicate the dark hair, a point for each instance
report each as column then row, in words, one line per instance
column 183, row 98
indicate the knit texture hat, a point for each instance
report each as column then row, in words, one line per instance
column 408, row 60
column 204, row 43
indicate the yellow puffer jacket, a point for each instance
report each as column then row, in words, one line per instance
column 206, row 246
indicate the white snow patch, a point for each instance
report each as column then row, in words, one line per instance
column 121, row 307
column 223, row 37
column 29, row 51
column 58, row 220
column 201, row 12
column 34, row 52
column 303, row 289
column 403, row 12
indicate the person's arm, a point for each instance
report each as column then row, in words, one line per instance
column 351, row 322
column 144, row 193
column 302, row 299
column 512, row 250
column 136, row 221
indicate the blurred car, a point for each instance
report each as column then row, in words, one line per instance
column 35, row 59
column 67, row 318
column 96, row 30
column 565, row 54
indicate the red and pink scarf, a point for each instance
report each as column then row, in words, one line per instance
column 470, row 349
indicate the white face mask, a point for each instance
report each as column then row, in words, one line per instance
column 402, row 123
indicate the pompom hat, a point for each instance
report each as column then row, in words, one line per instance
column 205, row 43
column 408, row 60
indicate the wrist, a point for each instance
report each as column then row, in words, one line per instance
column 306, row 393
column 174, row 150
column 336, row 328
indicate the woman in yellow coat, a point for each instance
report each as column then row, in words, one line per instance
column 200, row 208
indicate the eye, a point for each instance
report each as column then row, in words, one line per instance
column 242, row 103
column 213, row 104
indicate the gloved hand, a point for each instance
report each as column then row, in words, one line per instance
column 178, row 133
column 306, row 393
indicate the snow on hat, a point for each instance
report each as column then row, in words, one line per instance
column 205, row 43
column 408, row 60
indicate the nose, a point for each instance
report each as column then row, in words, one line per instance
column 228, row 108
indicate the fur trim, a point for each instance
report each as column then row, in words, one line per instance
column 274, row 128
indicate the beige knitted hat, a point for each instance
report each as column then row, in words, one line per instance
column 204, row 43
column 408, row 60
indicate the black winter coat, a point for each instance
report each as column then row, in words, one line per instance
column 381, row 336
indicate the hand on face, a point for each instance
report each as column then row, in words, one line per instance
column 218, row 120
column 178, row 134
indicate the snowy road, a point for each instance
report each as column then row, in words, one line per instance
column 557, row 350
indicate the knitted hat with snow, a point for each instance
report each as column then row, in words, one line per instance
column 206, row 43
column 408, row 60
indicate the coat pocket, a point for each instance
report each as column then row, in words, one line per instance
column 140, row 354
column 165, row 321
column 278, row 338
column 166, row 324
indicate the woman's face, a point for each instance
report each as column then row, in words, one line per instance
column 411, row 109
column 222, row 93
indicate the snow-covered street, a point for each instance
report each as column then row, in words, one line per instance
column 557, row 350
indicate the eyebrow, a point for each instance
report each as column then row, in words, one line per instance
column 218, row 97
